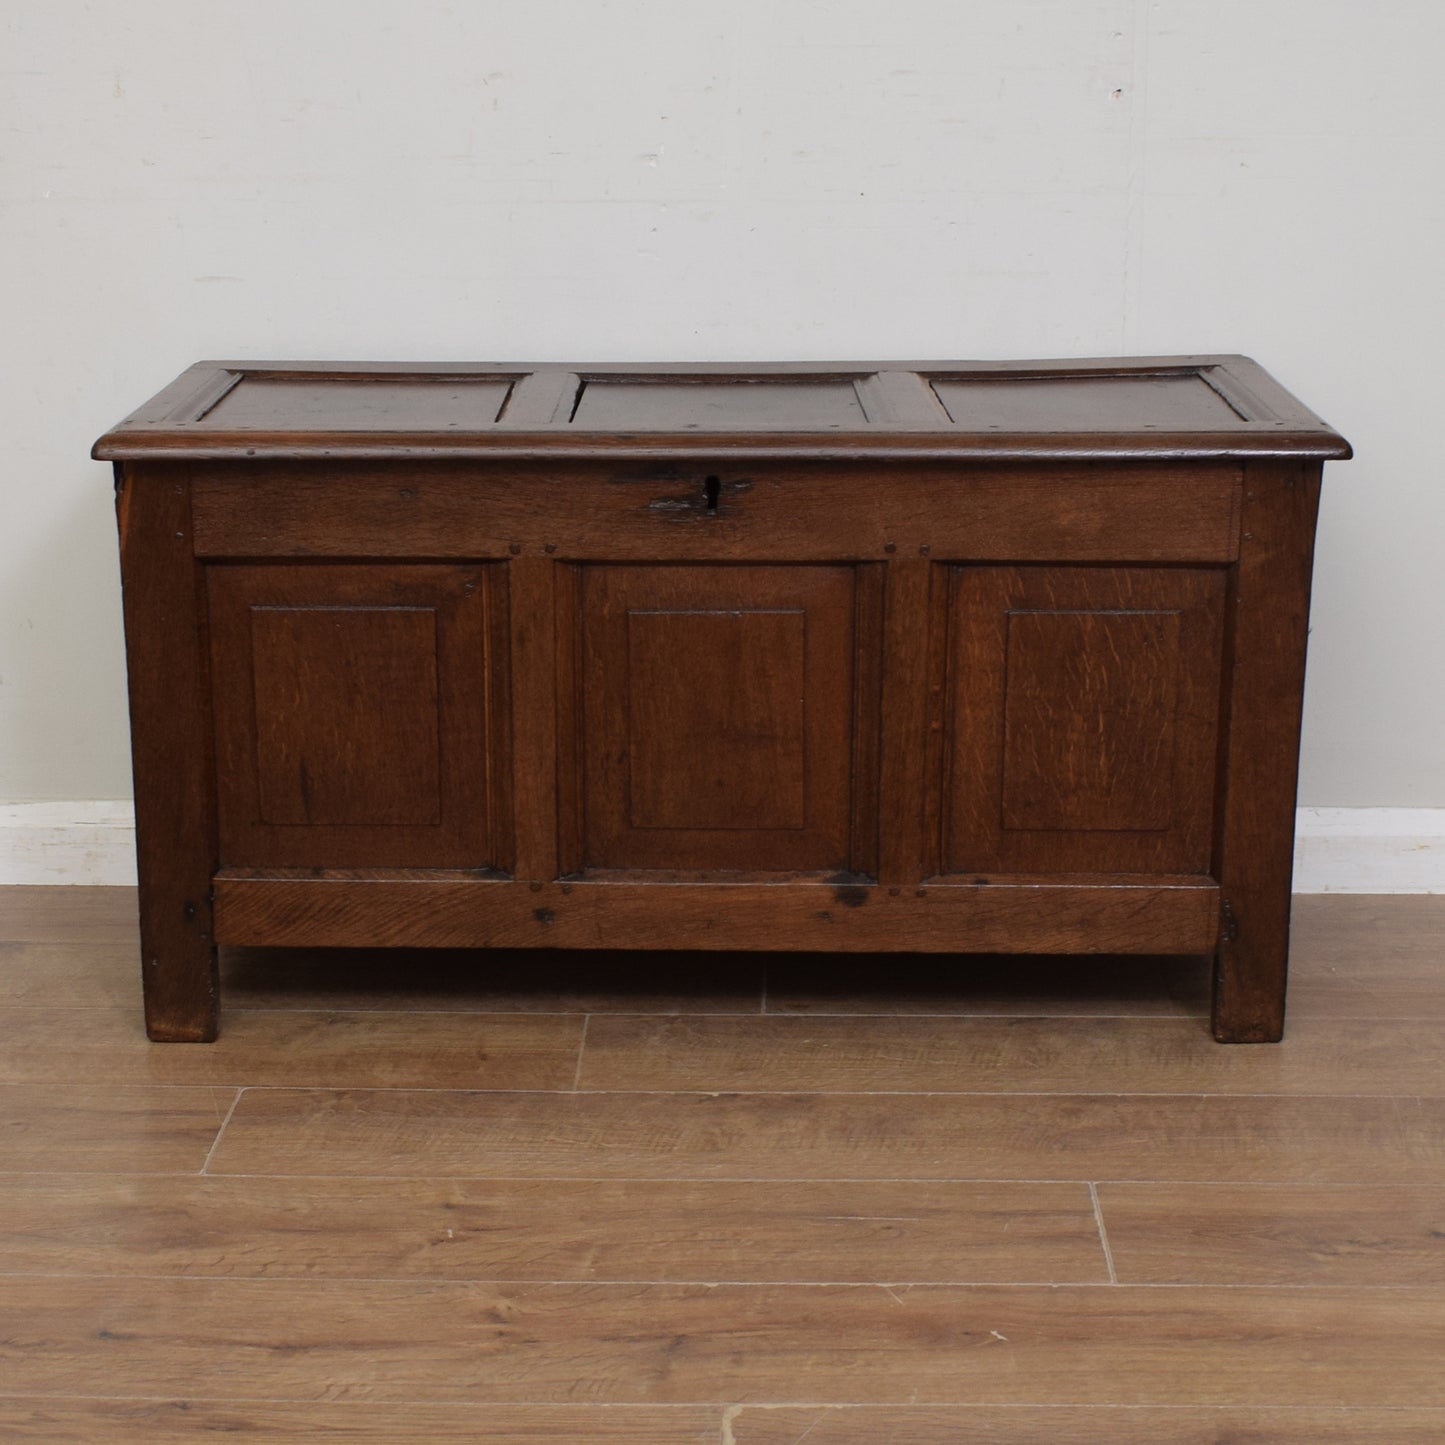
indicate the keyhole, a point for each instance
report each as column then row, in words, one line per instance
column 711, row 486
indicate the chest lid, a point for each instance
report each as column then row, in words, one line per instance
column 1181, row 406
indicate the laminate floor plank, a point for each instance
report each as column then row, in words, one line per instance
column 550, row 1229
column 70, row 975
column 38, row 1421
column 96, row 1128
column 1358, row 956
column 1357, row 930
column 414, row 1227
column 833, row 1136
column 1094, row 1425
column 1044, row 1055
column 49, row 914
column 668, row 1344
column 491, row 980
column 363, row 1050
column 1275, row 1234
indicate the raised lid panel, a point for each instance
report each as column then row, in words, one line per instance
column 717, row 403
column 259, row 401
column 1182, row 401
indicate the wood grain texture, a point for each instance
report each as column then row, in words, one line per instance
column 70, row 975
column 324, row 756
column 724, row 648
column 1367, row 957
column 678, row 1344
column 172, row 750
column 834, row 1136
column 364, row 404
column 1100, row 913
column 1083, row 718
column 717, row 403
column 718, row 717
column 905, row 854
column 48, row 1421
column 638, row 510
column 345, row 1049
column 1277, row 1234
column 533, row 659
column 91, row 1128
column 870, row 583
column 1098, row 694
column 1005, row 1055
column 1176, row 406
column 549, row 1229
column 360, row 715
column 715, row 720
column 1088, row 1425
column 1264, row 688
column 1177, row 400
column 47, row 914
column 497, row 1254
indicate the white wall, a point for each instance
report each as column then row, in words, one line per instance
column 666, row 179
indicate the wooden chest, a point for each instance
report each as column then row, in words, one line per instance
column 953, row 657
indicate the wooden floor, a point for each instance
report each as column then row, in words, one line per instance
column 722, row 1198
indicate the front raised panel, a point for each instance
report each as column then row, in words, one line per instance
column 717, row 720
column 1082, row 719
column 1089, row 708
column 358, row 716
column 721, row 710
column 348, row 728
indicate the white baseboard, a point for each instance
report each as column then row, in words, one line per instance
column 1337, row 850
column 1369, row 850
column 67, row 843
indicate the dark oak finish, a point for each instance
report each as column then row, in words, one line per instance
column 1264, row 696
column 939, row 657
column 172, row 750
column 359, row 717
column 1083, row 718
column 717, row 717
column 766, row 511
column 1090, row 913
column 902, row 412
